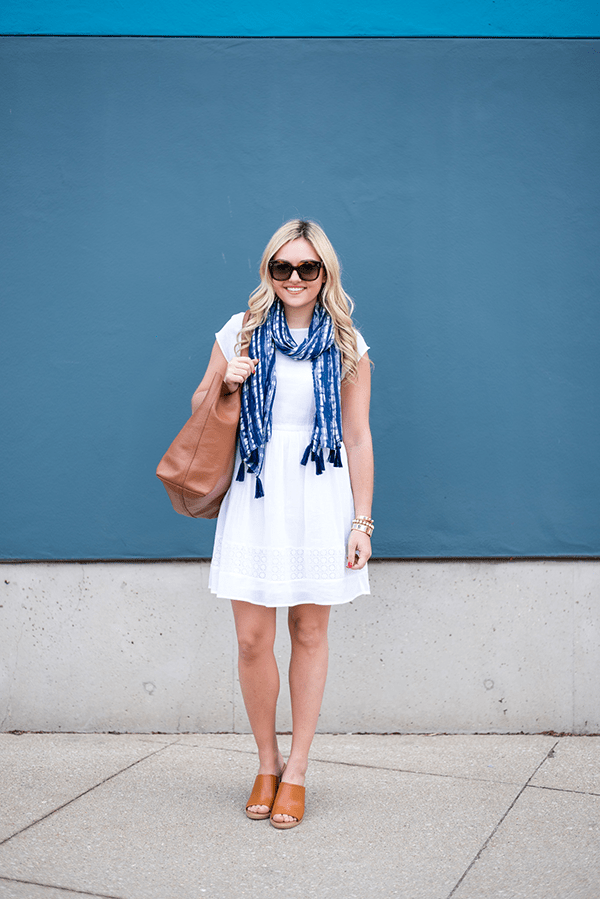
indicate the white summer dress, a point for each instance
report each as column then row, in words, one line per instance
column 289, row 547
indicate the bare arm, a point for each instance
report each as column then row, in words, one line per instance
column 217, row 363
column 356, row 398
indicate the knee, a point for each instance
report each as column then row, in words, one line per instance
column 252, row 647
column 308, row 635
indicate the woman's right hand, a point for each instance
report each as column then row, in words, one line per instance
column 238, row 369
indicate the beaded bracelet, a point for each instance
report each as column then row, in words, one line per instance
column 364, row 524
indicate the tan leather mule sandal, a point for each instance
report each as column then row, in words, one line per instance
column 289, row 801
column 263, row 793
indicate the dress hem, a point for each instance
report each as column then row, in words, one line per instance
column 287, row 605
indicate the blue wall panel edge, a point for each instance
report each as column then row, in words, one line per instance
column 265, row 18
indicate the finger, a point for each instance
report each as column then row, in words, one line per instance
column 357, row 561
column 248, row 365
column 360, row 562
column 359, row 551
column 241, row 369
column 352, row 553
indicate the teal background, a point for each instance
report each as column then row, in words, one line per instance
column 458, row 179
column 338, row 18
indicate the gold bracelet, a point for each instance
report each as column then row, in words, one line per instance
column 364, row 524
column 361, row 527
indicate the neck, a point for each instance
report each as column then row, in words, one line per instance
column 299, row 318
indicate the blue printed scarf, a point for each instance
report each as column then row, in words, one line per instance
column 258, row 391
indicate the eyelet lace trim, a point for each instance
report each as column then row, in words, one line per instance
column 279, row 564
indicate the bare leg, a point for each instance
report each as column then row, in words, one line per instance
column 308, row 673
column 259, row 681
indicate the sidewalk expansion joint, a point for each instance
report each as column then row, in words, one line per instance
column 313, row 759
column 84, row 793
column 53, row 886
column 561, row 790
column 501, row 821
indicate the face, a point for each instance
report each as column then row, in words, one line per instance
column 298, row 297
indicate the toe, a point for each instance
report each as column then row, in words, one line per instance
column 284, row 819
column 259, row 809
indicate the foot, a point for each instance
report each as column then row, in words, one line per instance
column 263, row 811
column 292, row 775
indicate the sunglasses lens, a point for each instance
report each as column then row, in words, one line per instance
column 309, row 271
column 280, row 271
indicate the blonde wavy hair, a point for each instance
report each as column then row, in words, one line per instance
column 333, row 296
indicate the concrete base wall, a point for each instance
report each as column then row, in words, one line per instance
column 457, row 647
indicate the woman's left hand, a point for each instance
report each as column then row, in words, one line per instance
column 359, row 550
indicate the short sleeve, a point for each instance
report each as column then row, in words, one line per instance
column 361, row 345
column 227, row 336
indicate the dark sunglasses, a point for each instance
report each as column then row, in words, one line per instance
column 282, row 271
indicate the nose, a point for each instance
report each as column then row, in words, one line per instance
column 295, row 276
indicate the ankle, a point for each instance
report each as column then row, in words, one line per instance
column 295, row 771
column 269, row 763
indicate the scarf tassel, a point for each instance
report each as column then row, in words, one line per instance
column 306, row 455
column 335, row 457
column 317, row 458
column 258, row 490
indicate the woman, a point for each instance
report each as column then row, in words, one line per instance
column 287, row 534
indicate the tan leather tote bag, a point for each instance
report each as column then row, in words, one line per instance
column 197, row 468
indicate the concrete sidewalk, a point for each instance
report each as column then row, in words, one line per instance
column 161, row 817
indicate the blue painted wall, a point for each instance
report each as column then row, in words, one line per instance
column 509, row 18
column 458, row 179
